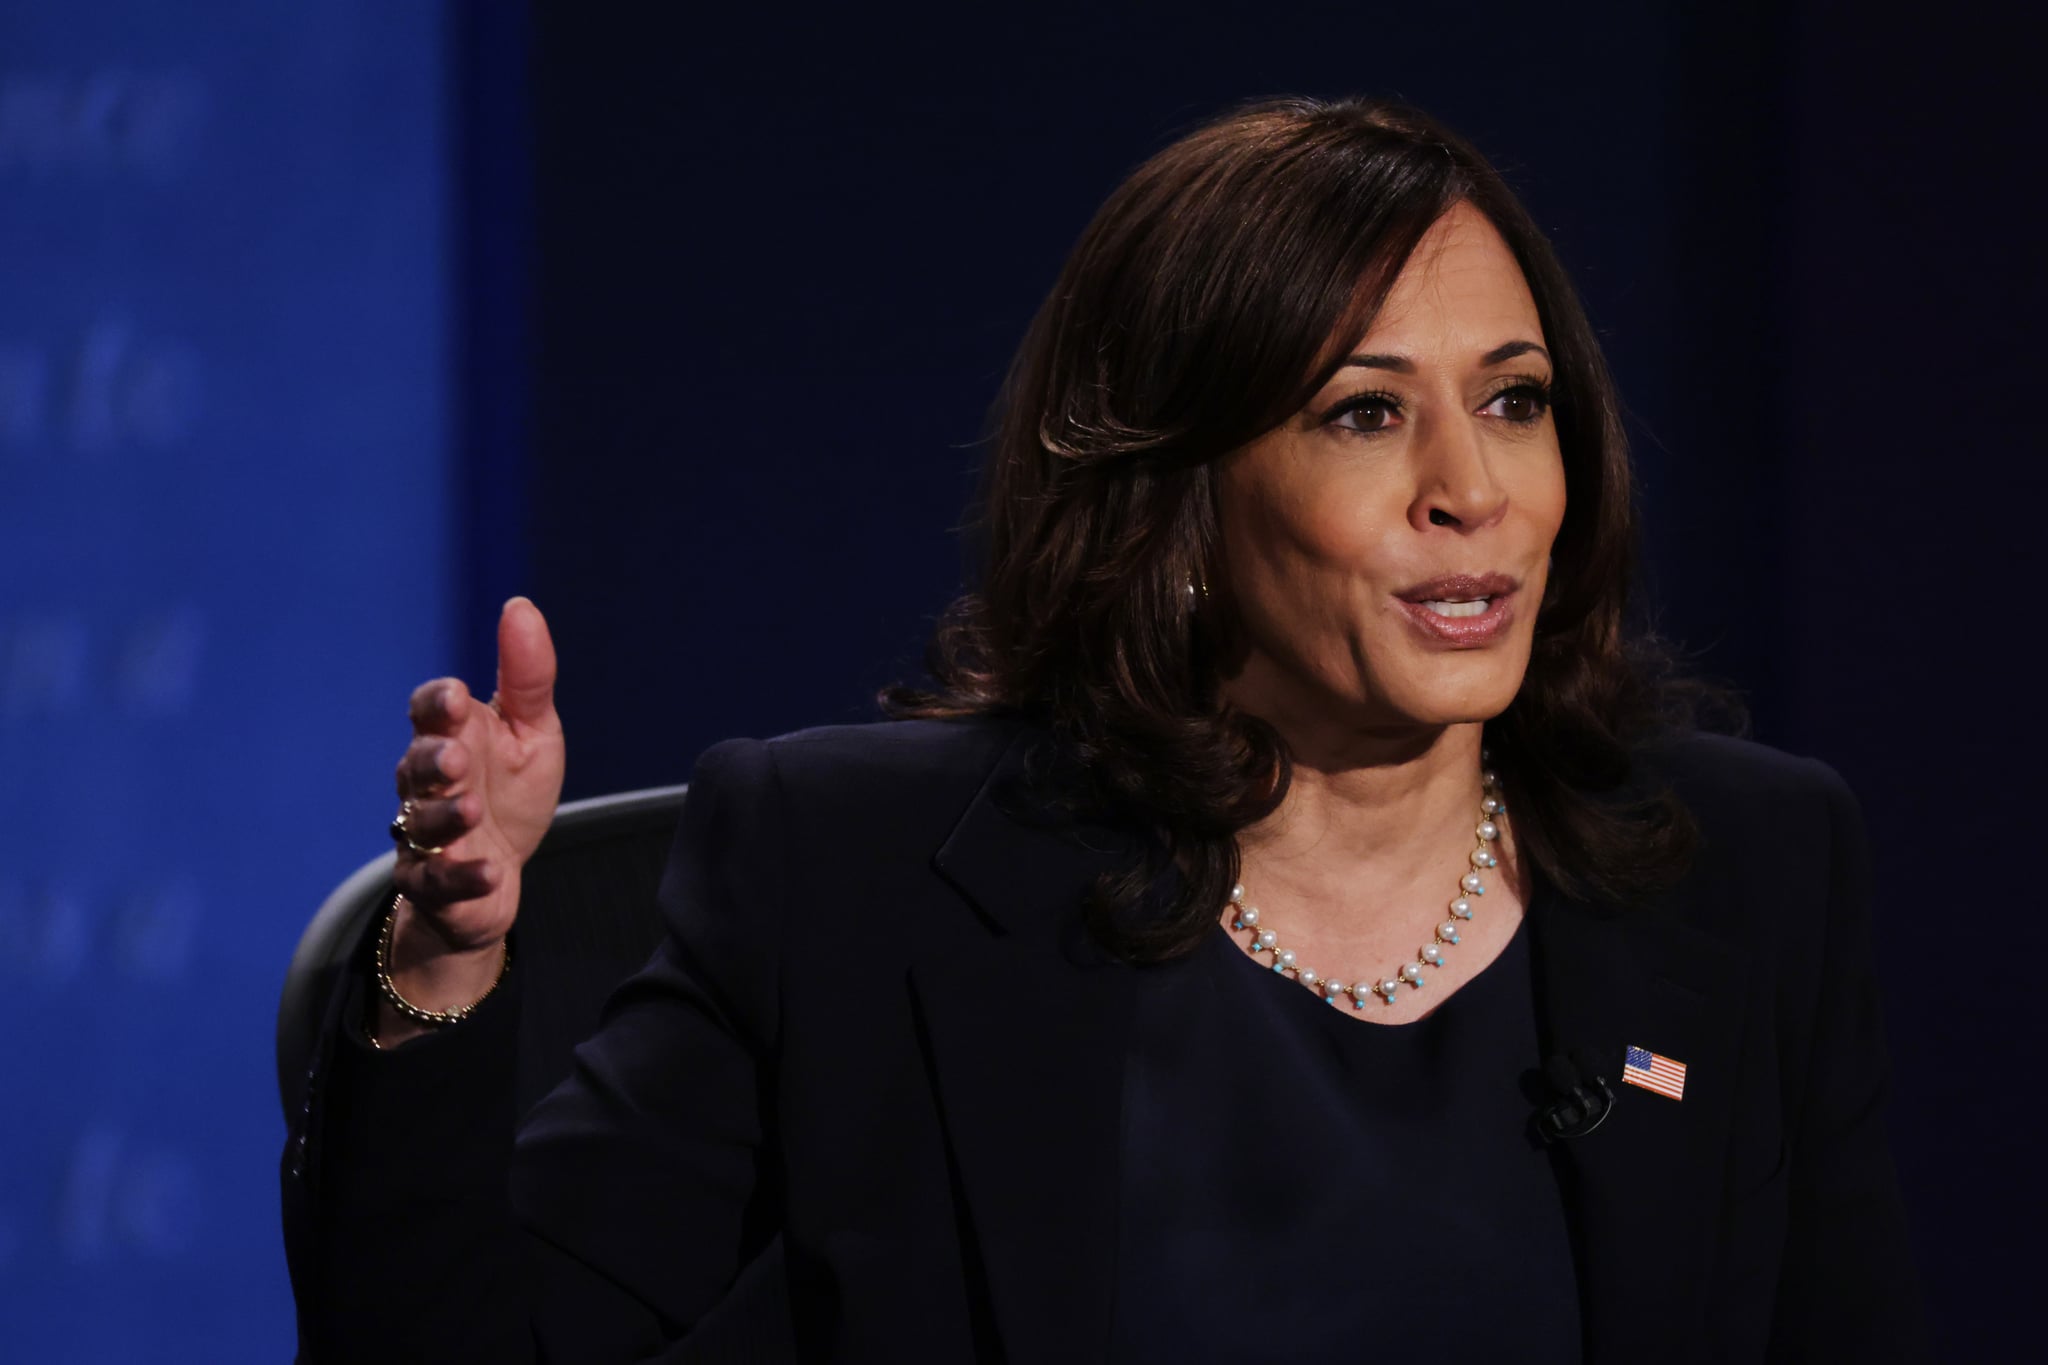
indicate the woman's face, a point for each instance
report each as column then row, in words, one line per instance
column 1387, row 547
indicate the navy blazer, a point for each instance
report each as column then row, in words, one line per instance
column 863, row 1103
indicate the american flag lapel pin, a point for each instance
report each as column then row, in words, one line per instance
column 1653, row 1071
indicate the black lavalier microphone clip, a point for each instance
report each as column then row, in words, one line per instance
column 1584, row 1102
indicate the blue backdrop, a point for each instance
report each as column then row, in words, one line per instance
column 225, row 436
column 325, row 326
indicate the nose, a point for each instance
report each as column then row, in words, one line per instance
column 1455, row 484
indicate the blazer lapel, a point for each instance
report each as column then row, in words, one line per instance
column 1027, row 1031
column 1643, row 1188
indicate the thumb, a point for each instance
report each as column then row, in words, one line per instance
column 526, row 664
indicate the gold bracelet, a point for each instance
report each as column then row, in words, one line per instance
column 431, row 1018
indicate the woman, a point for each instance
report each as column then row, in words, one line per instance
column 1297, row 921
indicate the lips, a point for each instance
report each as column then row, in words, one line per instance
column 1461, row 609
column 1460, row 587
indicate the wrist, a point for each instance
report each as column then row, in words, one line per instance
column 442, row 982
column 420, row 953
column 423, row 983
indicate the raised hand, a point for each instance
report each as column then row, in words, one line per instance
column 482, row 779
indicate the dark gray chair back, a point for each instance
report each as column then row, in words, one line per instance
column 587, row 920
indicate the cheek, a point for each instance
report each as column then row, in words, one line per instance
column 1331, row 526
column 1543, row 502
column 1540, row 493
column 1315, row 588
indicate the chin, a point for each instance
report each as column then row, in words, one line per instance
column 1442, row 716
column 1460, row 701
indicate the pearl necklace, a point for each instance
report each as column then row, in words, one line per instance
column 1431, row 954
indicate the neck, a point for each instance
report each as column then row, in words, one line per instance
column 1368, row 815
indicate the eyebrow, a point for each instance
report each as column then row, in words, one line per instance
column 1401, row 364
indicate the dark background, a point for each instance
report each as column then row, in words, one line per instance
column 781, row 265
column 326, row 327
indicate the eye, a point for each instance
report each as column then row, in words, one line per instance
column 1525, row 402
column 1365, row 413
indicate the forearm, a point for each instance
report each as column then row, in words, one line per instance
column 417, row 1252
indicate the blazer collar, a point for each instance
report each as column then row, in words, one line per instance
column 1028, row 1031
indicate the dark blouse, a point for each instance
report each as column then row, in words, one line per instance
column 1297, row 1180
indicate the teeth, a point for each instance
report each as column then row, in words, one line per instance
column 1472, row 608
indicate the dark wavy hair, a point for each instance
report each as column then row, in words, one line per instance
column 1214, row 293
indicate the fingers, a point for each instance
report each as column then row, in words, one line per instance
column 432, row 882
column 439, row 707
column 438, row 764
column 431, row 765
column 438, row 878
column 437, row 823
column 526, row 665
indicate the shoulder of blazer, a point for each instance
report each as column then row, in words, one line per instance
column 1760, row 811
column 891, row 785
column 1713, row 771
column 1781, row 855
column 918, row 814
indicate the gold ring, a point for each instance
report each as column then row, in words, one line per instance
column 401, row 830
